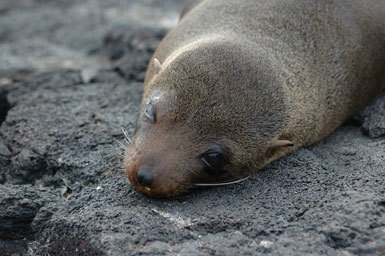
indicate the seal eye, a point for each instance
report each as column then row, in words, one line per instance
column 149, row 113
column 213, row 160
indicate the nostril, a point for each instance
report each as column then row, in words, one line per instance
column 144, row 177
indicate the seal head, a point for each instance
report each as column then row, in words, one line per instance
column 204, row 120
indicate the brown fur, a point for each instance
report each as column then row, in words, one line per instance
column 245, row 74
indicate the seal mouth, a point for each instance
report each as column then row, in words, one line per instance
column 217, row 184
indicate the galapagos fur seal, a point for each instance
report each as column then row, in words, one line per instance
column 237, row 84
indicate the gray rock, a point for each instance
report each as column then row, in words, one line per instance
column 62, row 187
column 372, row 117
column 4, row 150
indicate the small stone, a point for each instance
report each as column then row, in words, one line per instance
column 4, row 150
column 25, row 202
column 88, row 74
column 265, row 244
column 5, row 81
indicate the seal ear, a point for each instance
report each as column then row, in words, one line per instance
column 157, row 66
column 280, row 143
column 189, row 5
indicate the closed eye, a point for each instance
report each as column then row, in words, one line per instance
column 150, row 113
column 213, row 160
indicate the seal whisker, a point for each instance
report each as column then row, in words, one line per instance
column 219, row 183
column 127, row 137
column 121, row 144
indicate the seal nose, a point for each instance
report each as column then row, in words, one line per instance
column 144, row 177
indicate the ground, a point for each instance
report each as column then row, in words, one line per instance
column 71, row 77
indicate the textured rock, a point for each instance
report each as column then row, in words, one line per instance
column 62, row 189
column 372, row 117
column 130, row 50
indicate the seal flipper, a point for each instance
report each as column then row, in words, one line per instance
column 188, row 6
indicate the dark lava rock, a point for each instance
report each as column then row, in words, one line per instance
column 62, row 187
column 4, row 150
column 372, row 117
column 131, row 49
column 18, row 208
column 4, row 106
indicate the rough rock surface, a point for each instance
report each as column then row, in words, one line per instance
column 70, row 77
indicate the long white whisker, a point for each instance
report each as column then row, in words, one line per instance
column 121, row 144
column 127, row 139
column 220, row 183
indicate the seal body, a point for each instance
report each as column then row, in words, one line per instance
column 237, row 84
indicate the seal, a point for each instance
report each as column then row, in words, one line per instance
column 238, row 84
